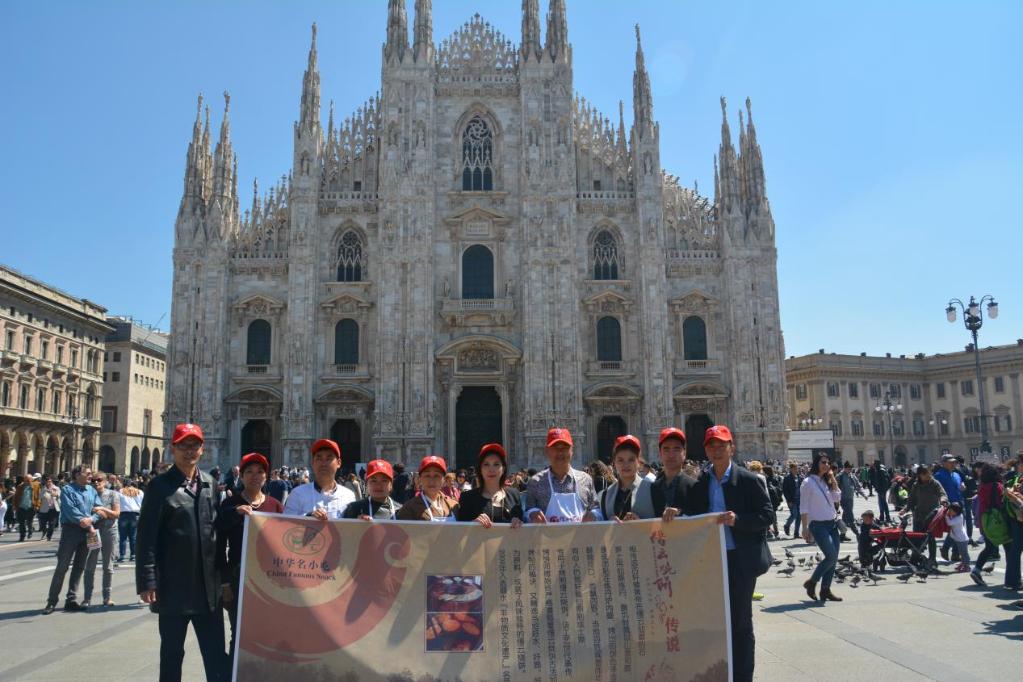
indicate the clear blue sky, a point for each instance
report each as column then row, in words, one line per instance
column 891, row 135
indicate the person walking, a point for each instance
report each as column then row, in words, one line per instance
column 1013, row 489
column 49, row 507
column 77, row 517
column 881, row 480
column 744, row 508
column 109, row 509
column 925, row 498
column 849, row 486
column 790, row 491
column 817, row 498
column 26, row 498
column 175, row 570
column 128, row 522
column 990, row 495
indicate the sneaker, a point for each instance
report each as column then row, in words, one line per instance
column 84, row 606
column 962, row 568
column 757, row 596
column 977, row 577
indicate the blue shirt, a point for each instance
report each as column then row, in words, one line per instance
column 717, row 500
column 950, row 481
column 76, row 503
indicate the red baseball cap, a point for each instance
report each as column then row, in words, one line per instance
column 672, row 432
column 493, row 449
column 627, row 441
column 433, row 461
column 183, row 431
column 326, row 444
column 559, row 435
column 380, row 466
column 719, row 432
column 253, row 458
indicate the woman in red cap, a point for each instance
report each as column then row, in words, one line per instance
column 430, row 504
column 490, row 501
column 377, row 505
column 230, row 530
column 631, row 496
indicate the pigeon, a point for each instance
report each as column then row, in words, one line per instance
column 788, row 553
column 817, row 557
column 791, row 563
column 776, row 562
column 988, row 569
column 904, row 578
column 802, row 560
column 787, row 572
column 855, row 581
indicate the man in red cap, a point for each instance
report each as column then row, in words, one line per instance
column 377, row 505
column 322, row 498
column 559, row 493
column 671, row 484
column 175, row 567
column 743, row 506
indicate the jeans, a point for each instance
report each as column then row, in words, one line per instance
column 1012, row 554
column 127, row 526
column 989, row 552
column 794, row 518
column 883, row 514
column 48, row 522
column 209, row 630
column 742, row 582
column 964, row 550
column 848, row 517
column 72, row 552
column 25, row 517
column 108, row 538
column 825, row 534
column 968, row 517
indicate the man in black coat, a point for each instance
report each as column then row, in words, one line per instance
column 175, row 571
column 790, row 491
column 671, row 483
column 745, row 509
column 881, row 480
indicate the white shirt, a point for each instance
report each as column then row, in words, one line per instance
column 305, row 498
column 131, row 504
column 817, row 500
column 955, row 528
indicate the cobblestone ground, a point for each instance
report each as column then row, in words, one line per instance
column 944, row 629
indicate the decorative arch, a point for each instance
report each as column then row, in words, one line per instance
column 477, row 134
column 350, row 259
column 255, row 394
column 606, row 255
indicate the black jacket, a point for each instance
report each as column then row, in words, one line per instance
column 176, row 546
column 675, row 494
column 790, row 489
column 745, row 496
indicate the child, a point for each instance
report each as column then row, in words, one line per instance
column 867, row 545
column 956, row 531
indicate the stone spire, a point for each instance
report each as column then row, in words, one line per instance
column 310, row 111
column 642, row 99
column 223, row 157
column 754, row 162
column 557, row 31
column 207, row 156
column 622, row 143
column 728, row 170
column 422, row 39
column 530, row 29
column 194, row 160
column 397, row 32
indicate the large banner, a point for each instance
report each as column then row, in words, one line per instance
column 423, row 602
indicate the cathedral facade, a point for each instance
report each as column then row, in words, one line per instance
column 474, row 255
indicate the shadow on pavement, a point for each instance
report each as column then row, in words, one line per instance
column 1011, row 628
column 786, row 608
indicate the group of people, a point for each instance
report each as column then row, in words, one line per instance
column 190, row 525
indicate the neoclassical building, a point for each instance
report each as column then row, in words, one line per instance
column 474, row 254
column 51, row 376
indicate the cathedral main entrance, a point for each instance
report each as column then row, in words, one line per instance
column 257, row 436
column 477, row 422
column 608, row 431
column 348, row 435
column 696, row 427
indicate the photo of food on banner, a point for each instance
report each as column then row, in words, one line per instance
column 454, row 613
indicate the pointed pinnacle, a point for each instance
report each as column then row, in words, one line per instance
column 227, row 101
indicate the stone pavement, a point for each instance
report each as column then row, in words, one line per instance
column 944, row 629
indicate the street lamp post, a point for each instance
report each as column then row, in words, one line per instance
column 938, row 422
column 810, row 423
column 973, row 320
column 886, row 406
column 74, row 418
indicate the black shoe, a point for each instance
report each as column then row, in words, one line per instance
column 973, row 543
column 49, row 609
column 71, row 605
column 844, row 538
column 84, row 605
column 944, row 553
column 811, row 589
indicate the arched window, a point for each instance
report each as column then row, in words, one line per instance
column 349, row 258
column 477, row 156
column 258, row 348
column 605, row 256
column 609, row 340
column 346, row 342
column 694, row 338
column 477, row 272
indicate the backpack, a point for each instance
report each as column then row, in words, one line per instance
column 995, row 526
column 939, row 524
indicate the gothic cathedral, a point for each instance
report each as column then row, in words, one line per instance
column 476, row 254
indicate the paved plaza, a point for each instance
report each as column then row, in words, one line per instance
column 944, row 629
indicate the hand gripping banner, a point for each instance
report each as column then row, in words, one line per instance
column 421, row 602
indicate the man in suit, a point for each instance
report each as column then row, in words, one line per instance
column 744, row 508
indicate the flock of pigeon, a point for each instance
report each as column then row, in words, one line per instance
column 848, row 570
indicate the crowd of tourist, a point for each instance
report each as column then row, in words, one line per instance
column 182, row 527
